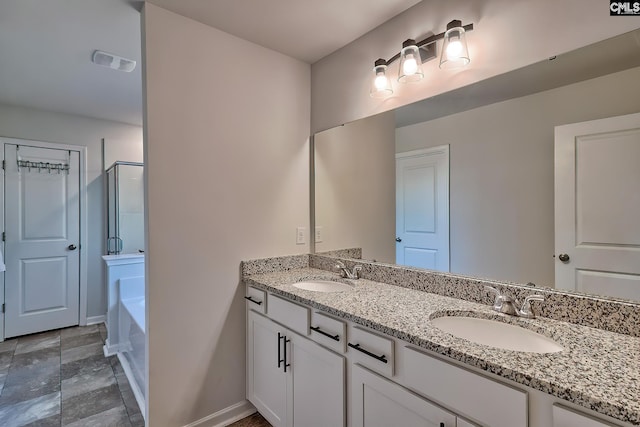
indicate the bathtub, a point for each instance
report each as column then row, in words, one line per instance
column 131, row 349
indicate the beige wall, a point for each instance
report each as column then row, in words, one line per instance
column 26, row 123
column 501, row 173
column 508, row 35
column 227, row 161
column 355, row 187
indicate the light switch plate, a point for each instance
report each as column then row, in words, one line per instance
column 301, row 236
column 318, row 238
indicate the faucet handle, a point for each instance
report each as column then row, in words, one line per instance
column 356, row 271
column 526, row 310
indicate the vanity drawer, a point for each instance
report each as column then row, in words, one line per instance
column 489, row 402
column 374, row 351
column 329, row 332
column 564, row 417
column 256, row 299
column 291, row 315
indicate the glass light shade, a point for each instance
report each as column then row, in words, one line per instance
column 380, row 84
column 454, row 50
column 410, row 63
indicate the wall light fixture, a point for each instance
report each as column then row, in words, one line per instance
column 413, row 54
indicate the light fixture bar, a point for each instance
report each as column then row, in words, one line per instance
column 429, row 40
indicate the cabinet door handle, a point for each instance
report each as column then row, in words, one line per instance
column 253, row 301
column 280, row 360
column 381, row 358
column 285, row 353
column 326, row 334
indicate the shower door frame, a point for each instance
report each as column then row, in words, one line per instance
column 116, row 202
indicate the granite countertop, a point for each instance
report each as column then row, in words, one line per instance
column 598, row 370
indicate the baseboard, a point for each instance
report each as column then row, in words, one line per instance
column 134, row 385
column 94, row 320
column 226, row 416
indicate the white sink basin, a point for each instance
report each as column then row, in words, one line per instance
column 496, row 334
column 323, row 286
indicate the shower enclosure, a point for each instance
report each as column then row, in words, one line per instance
column 125, row 208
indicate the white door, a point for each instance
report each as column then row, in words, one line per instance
column 378, row 402
column 318, row 384
column 422, row 208
column 42, row 225
column 597, row 206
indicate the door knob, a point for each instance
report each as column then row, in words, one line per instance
column 72, row 247
column 564, row 257
column 398, row 239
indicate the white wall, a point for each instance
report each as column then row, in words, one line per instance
column 226, row 157
column 355, row 187
column 507, row 35
column 26, row 123
column 501, row 173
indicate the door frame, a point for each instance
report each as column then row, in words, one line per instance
column 82, row 150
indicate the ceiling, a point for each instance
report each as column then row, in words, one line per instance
column 46, row 46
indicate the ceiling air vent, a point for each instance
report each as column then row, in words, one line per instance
column 113, row 61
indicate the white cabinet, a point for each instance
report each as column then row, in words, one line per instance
column 563, row 417
column 378, row 402
column 269, row 387
column 281, row 363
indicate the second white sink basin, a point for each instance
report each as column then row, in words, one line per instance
column 496, row 334
column 323, row 286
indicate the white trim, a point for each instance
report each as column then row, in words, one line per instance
column 226, row 416
column 440, row 149
column 134, row 385
column 84, row 246
column 96, row 320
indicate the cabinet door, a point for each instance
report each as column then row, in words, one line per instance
column 269, row 388
column 563, row 417
column 378, row 402
column 318, row 384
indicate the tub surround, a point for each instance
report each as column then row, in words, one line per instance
column 598, row 369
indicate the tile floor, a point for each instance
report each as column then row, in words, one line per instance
column 255, row 420
column 61, row 378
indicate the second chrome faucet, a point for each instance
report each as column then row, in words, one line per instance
column 346, row 273
column 507, row 305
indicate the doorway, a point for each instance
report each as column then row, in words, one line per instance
column 597, row 206
column 422, row 208
column 43, row 204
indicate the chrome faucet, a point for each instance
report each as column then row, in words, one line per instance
column 507, row 305
column 344, row 271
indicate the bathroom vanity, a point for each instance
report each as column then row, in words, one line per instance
column 371, row 355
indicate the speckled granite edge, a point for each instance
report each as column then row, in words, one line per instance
column 597, row 369
column 272, row 265
column 609, row 314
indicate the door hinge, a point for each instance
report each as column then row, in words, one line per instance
column 4, row 236
column 2, row 307
column 3, row 164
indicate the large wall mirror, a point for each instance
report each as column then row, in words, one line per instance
column 464, row 182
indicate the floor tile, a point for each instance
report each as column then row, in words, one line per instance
column 83, row 406
column 5, row 360
column 26, row 412
column 77, row 331
column 30, row 387
column 37, row 342
column 83, row 366
column 115, row 417
column 8, row 345
column 25, row 374
column 84, row 383
column 255, row 420
column 53, row 421
column 43, row 356
column 130, row 403
column 80, row 340
column 81, row 352
column 137, row 420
